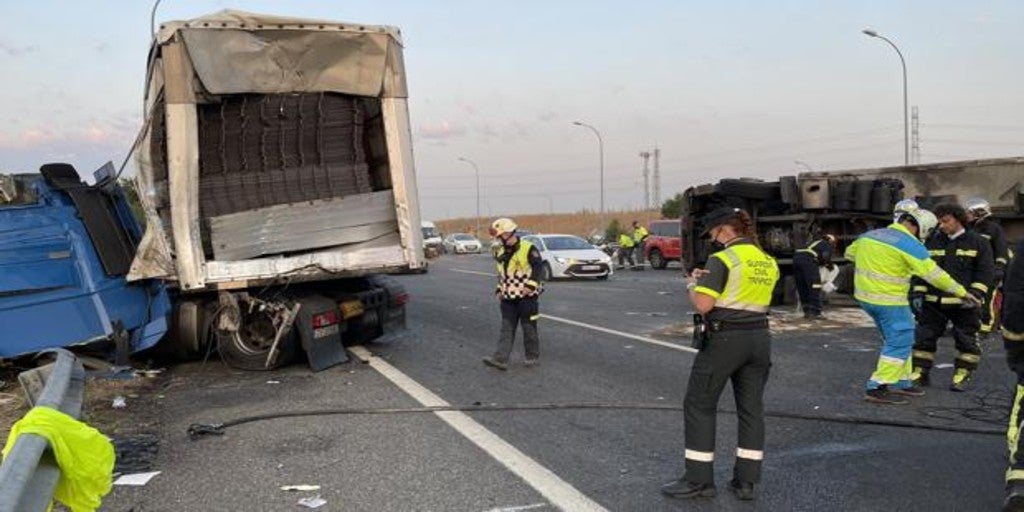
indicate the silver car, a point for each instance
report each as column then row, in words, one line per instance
column 571, row 256
column 461, row 243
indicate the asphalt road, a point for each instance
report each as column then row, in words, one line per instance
column 826, row 450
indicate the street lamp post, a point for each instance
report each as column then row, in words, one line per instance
column 476, row 171
column 600, row 147
column 903, row 63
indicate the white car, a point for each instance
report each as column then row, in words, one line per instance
column 462, row 243
column 571, row 256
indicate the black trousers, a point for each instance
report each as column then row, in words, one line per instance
column 931, row 324
column 624, row 255
column 517, row 312
column 742, row 357
column 808, row 282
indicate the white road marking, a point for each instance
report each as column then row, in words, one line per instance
column 520, row 508
column 475, row 272
column 559, row 492
column 644, row 339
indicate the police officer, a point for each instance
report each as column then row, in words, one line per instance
column 967, row 257
column 640, row 235
column 979, row 213
column 732, row 296
column 520, row 270
column 626, row 250
column 884, row 260
column 1013, row 341
column 806, row 270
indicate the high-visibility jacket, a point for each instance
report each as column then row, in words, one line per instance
column 1013, row 298
column 516, row 278
column 967, row 258
column 884, row 261
column 752, row 275
column 820, row 250
column 639, row 234
column 625, row 241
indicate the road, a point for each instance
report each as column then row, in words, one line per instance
column 825, row 448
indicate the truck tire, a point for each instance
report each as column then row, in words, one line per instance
column 657, row 260
column 748, row 189
column 248, row 347
column 186, row 336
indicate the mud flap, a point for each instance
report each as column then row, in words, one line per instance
column 319, row 326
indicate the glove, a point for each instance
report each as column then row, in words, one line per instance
column 916, row 304
column 971, row 301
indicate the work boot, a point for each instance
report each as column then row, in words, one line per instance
column 813, row 315
column 1014, row 501
column 912, row 390
column 961, row 379
column 920, row 376
column 494, row 363
column 882, row 395
column 742, row 490
column 688, row 490
column 531, row 362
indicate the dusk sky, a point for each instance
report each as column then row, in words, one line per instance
column 724, row 89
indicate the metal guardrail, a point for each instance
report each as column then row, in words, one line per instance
column 29, row 473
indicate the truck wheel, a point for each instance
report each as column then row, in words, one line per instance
column 248, row 347
column 656, row 259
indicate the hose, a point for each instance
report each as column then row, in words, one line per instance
column 199, row 430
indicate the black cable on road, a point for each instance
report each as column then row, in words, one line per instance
column 199, row 430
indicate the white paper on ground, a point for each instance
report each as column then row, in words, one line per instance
column 314, row 502
column 302, row 487
column 136, row 478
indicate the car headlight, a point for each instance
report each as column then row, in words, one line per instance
column 562, row 260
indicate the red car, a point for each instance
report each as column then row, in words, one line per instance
column 665, row 242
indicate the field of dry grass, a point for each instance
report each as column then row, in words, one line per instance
column 582, row 223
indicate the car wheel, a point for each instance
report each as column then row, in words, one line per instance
column 656, row 259
column 545, row 272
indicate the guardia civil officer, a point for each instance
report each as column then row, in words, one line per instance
column 732, row 296
column 520, row 269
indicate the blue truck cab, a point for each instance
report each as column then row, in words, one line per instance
column 65, row 249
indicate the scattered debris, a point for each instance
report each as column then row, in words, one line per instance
column 300, row 487
column 942, row 366
column 314, row 502
column 136, row 479
column 628, row 346
column 119, row 402
column 149, row 374
column 273, row 382
column 666, row 293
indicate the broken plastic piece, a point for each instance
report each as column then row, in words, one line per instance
column 136, row 478
column 302, row 487
column 314, row 502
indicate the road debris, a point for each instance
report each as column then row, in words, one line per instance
column 136, row 479
column 300, row 487
column 314, row 502
column 120, row 402
column 273, row 382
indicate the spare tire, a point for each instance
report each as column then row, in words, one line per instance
column 748, row 189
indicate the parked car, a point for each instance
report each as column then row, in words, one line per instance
column 570, row 256
column 461, row 243
column 665, row 243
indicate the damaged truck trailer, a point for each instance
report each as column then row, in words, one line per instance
column 275, row 170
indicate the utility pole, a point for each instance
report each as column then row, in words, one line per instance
column 646, row 155
column 657, row 177
column 915, row 136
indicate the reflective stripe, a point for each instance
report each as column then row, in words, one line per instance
column 707, row 291
column 970, row 253
column 931, row 298
column 920, row 288
column 1013, row 436
column 937, row 252
column 951, row 300
column 743, row 306
column 980, row 286
column 1003, row 261
column 533, row 318
column 1014, row 474
column 878, row 276
column 744, row 453
column 881, row 297
column 531, row 282
column 816, row 286
column 1013, row 336
column 970, row 358
column 921, row 354
column 700, row 456
column 891, row 360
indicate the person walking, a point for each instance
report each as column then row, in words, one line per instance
column 732, row 296
column 626, row 251
column 884, row 260
column 979, row 220
column 1013, row 342
column 640, row 235
column 967, row 257
column 520, row 273
column 807, row 263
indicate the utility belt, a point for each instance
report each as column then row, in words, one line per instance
column 702, row 330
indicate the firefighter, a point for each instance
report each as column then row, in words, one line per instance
column 520, row 272
column 806, row 270
column 626, row 251
column 967, row 257
column 732, row 297
column 1013, row 341
column 640, row 235
column 903, row 206
column 884, row 260
column 979, row 219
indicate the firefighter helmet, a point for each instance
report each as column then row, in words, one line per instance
column 903, row 206
column 925, row 220
column 501, row 226
column 978, row 207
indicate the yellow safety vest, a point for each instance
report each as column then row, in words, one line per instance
column 625, row 241
column 639, row 234
column 516, row 280
column 751, row 280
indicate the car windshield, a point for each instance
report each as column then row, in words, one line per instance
column 464, row 237
column 566, row 243
column 431, row 233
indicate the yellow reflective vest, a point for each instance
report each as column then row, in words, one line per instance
column 639, row 234
column 751, row 280
column 516, row 280
column 625, row 241
column 885, row 259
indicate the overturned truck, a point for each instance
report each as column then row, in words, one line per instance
column 276, row 174
column 790, row 212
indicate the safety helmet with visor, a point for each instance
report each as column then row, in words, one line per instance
column 903, row 206
column 978, row 207
column 925, row 220
column 501, row 227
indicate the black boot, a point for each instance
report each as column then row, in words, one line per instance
column 1014, row 501
column 742, row 490
column 688, row 490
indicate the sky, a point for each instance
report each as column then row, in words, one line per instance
column 722, row 89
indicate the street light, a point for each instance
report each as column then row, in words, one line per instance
column 906, row 126
column 600, row 147
column 476, row 170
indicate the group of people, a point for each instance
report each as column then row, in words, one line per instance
column 631, row 244
column 910, row 281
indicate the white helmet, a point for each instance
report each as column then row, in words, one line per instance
column 978, row 207
column 903, row 206
column 501, row 226
column 925, row 220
